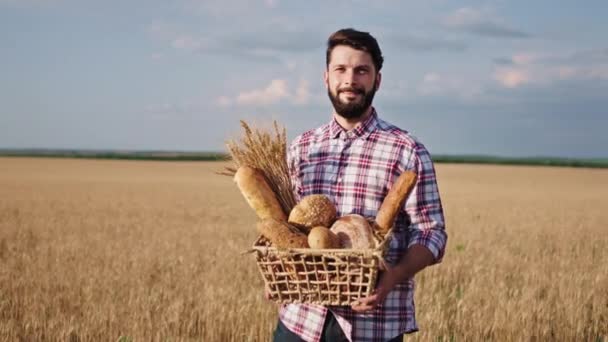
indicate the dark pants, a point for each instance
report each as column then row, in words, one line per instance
column 331, row 332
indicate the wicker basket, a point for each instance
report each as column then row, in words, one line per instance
column 319, row 276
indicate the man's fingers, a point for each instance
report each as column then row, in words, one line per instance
column 362, row 308
column 365, row 304
column 368, row 300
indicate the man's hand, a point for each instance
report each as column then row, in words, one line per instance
column 385, row 285
column 416, row 258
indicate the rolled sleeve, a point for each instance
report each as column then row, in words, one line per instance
column 423, row 206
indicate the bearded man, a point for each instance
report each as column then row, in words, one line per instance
column 354, row 160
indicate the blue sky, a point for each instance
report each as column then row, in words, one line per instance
column 511, row 78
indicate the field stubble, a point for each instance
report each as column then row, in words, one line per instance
column 99, row 250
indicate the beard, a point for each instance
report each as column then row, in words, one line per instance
column 354, row 109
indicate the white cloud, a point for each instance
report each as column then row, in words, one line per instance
column 431, row 84
column 157, row 56
column 463, row 17
column 481, row 22
column 589, row 72
column 224, row 101
column 547, row 68
column 431, row 77
column 511, row 77
column 189, row 43
column 291, row 65
column 271, row 94
column 302, row 94
column 161, row 31
column 525, row 58
column 276, row 92
column 271, row 3
column 222, row 8
column 436, row 84
column 600, row 72
column 566, row 72
column 424, row 42
column 26, row 3
column 268, row 44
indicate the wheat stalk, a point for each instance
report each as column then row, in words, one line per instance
column 266, row 151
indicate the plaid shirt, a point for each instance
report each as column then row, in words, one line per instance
column 355, row 169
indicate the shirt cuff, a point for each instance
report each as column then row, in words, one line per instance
column 433, row 239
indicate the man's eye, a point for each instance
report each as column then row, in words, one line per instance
column 362, row 71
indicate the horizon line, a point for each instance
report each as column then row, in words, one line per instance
column 85, row 151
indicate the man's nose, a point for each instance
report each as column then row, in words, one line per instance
column 349, row 77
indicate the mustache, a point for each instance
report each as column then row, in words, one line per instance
column 351, row 89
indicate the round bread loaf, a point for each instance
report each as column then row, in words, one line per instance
column 312, row 211
column 354, row 232
column 321, row 237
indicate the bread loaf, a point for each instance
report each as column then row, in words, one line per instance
column 354, row 232
column 394, row 200
column 281, row 234
column 321, row 237
column 258, row 193
column 312, row 211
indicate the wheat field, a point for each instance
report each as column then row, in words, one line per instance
column 94, row 250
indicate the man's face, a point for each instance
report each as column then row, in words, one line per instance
column 351, row 81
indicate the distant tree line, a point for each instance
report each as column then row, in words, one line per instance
column 218, row 156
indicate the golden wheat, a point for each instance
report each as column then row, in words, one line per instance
column 152, row 251
column 266, row 151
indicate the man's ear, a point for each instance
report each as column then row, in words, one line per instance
column 326, row 79
column 378, row 80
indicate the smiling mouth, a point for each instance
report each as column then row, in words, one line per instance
column 349, row 93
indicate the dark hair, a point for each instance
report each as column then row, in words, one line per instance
column 358, row 40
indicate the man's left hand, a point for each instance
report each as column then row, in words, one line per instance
column 416, row 258
column 386, row 283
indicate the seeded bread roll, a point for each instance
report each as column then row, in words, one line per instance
column 281, row 234
column 312, row 211
column 354, row 232
column 258, row 193
column 321, row 237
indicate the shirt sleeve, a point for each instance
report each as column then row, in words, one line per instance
column 423, row 206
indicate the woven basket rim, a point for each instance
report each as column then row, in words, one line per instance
column 380, row 250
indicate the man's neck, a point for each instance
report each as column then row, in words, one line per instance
column 350, row 124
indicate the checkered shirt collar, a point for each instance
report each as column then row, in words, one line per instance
column 363, row 130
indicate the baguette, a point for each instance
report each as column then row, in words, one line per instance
column 259, row 195
column 394, row 200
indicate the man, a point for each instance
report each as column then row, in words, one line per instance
column 354, row 160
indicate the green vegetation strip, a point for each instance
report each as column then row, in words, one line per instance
column 128, row 155
column 540, row 161
column 216, row 156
